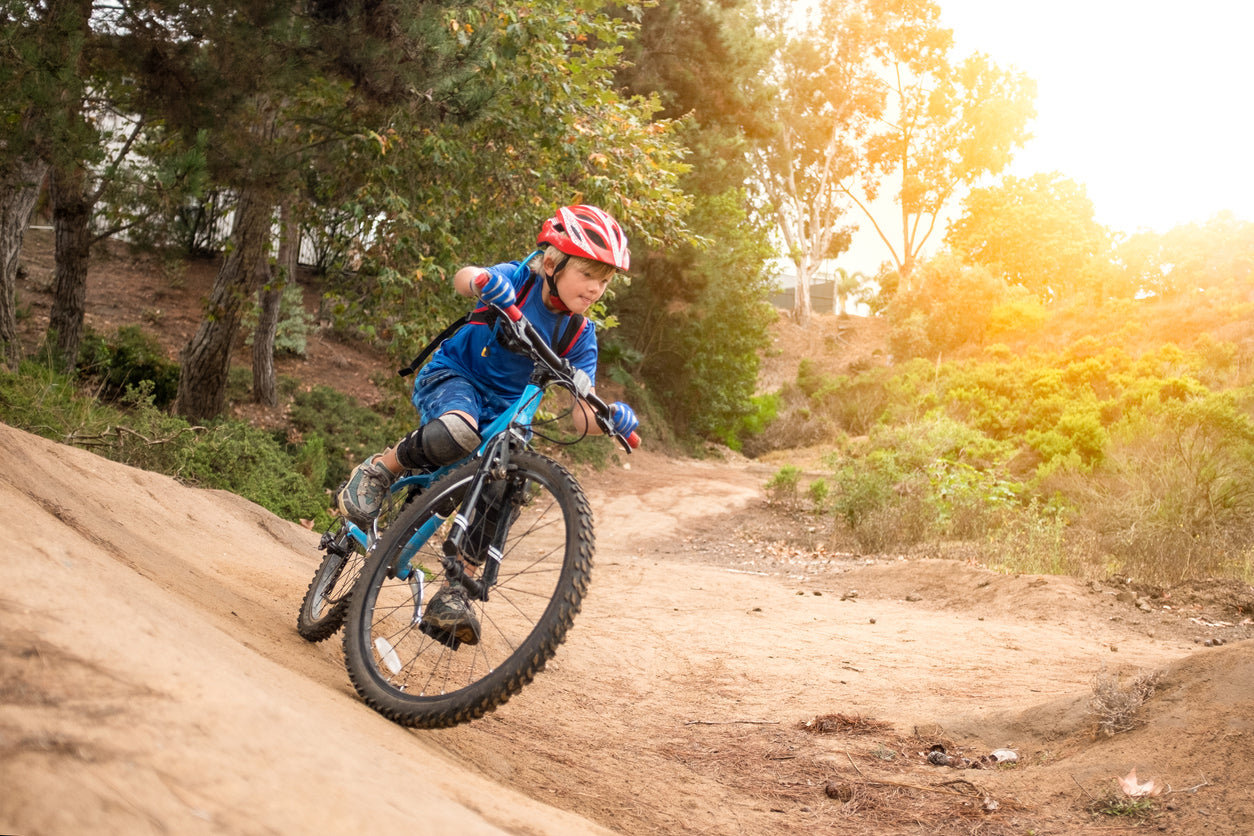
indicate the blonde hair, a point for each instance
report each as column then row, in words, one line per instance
column 552, row 255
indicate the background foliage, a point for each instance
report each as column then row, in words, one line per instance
column 1049, row 396
column 1092, row 439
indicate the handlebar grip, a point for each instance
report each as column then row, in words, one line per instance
column 633, row 440
column 513, row 311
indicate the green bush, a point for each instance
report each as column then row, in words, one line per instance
column 42, row 401
column 763, row 410
column 133, row 430
column 254, row 464
column 1081, row 442
column 291, row 334
column 865, row 486
column 783, row 488
column 348, row 431
column 128, row 358
column 925, row 480
column 818, row 493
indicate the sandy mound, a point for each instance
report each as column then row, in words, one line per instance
column 151, row 680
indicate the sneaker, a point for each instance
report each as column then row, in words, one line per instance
column 362, row 495
column 449, row 610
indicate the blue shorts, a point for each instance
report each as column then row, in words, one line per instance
column 440, row 390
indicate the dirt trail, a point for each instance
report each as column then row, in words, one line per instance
column 151, row 680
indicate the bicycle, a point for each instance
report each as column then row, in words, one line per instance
column 510, row 525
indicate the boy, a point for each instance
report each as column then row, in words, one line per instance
column 471, row 378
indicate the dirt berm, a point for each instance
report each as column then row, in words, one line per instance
column 152, row 681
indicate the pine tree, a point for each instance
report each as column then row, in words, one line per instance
column 697, row 313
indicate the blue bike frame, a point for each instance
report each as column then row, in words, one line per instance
column 519, row 415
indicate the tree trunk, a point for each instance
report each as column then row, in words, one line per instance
column 802, row 309
column 265, row 390
column 71, row 215
column 906, row 273
column 19, row 189
column 206, row 359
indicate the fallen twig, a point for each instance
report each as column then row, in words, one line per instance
column 1193, row 789
column 731, row 722
column 925, row 789
column 1082, row 789
column 116, row 431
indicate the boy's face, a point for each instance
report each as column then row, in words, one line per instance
column 579, row 288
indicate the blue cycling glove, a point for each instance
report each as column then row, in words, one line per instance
column 623, row 418
column 497, row 290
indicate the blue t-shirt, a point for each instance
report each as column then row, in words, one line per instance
column 474, row 353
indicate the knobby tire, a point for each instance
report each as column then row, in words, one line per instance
column 416, row 680
column 325, row 606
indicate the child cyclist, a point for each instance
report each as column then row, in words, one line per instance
column 471, row 379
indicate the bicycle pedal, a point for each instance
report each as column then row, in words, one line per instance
column 445, row 638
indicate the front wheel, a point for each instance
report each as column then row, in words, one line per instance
column 417, row 676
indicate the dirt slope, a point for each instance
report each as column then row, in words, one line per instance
column 151, row 680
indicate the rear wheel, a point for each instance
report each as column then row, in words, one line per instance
column 326, row 601
column 419, row 676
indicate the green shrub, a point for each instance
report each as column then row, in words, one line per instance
column 349, row 432
column 763, row 409
column 865, row 486
column 295, row 323
column 133, row 430
column 818, row 493
column 783, row 487
column 128, row 358
column 855, row 403
column 254, row 464
column 42, row 401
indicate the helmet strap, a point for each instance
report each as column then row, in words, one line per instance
column 552, row 282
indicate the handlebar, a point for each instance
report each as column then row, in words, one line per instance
column 527, row 332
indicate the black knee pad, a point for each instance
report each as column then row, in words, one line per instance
column 437, row 443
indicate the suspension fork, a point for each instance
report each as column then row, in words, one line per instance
column 494, row 465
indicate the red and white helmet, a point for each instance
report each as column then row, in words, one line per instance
column 588, row 232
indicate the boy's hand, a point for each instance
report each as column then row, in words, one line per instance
column 495, row 290
column 623, row 418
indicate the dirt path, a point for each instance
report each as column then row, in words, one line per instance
column 151, row 680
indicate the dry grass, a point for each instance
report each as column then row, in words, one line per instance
column 844, row 724
column 1114, row 705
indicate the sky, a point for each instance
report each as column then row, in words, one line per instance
column 1149, row 105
